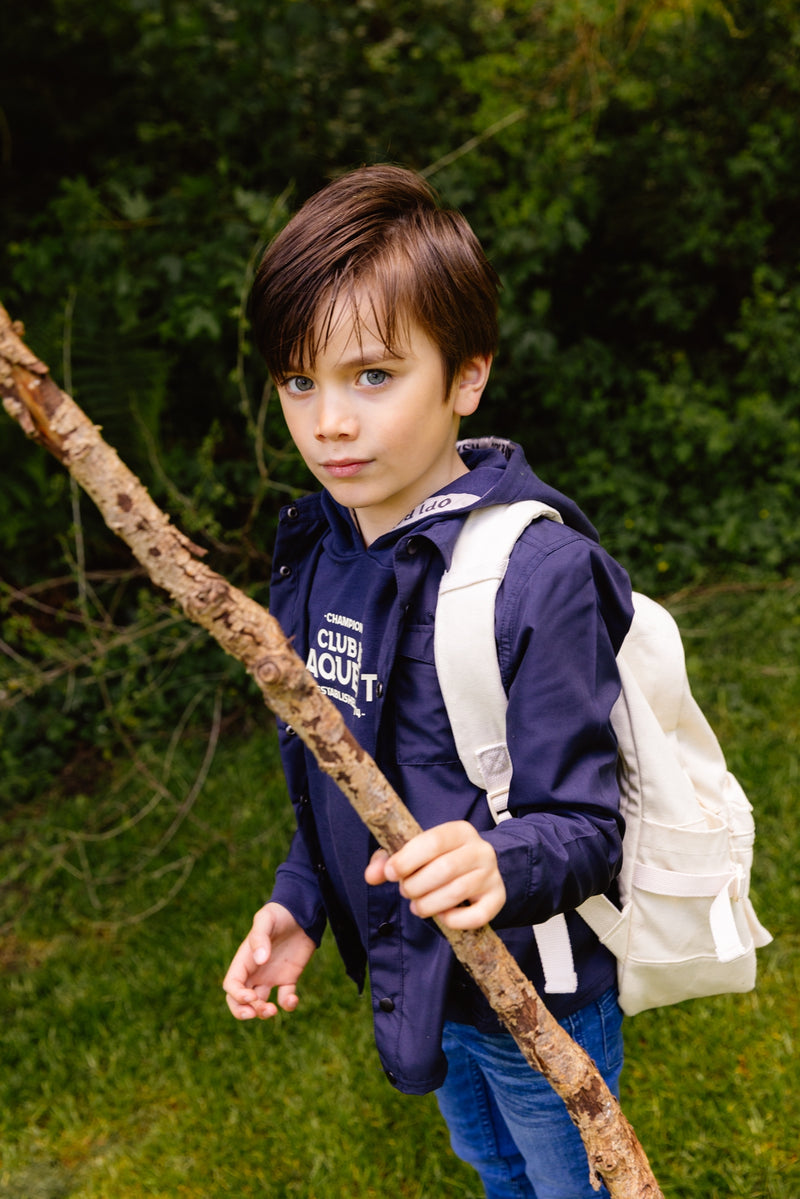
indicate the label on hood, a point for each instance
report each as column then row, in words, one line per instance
column 439, row 505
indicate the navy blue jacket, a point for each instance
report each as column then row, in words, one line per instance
column 362, row 619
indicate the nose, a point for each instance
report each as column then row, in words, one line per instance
column 336, row 417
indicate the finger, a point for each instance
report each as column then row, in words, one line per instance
column 237, row 990
column 473, row 915
column 235, row 981
column 449, row 892
column 469, row 866
column 429, row 845
column 254, row 1009
column 243, row 962
column 259, row 940
column 287, row 998
column 241, row 974
column 375, row 872
column 416, row 853
column 241, row 1011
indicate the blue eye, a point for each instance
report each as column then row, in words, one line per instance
column 375, row 377
column 299, row 384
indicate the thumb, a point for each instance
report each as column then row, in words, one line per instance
column 261, row 936
column 375, row 873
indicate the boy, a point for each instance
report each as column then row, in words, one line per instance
column 375, row 310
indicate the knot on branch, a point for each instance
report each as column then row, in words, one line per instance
column 211, row 599
column 267, row 671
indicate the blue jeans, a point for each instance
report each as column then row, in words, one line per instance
column 507, row 1121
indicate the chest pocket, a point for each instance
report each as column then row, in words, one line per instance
column 422, row 730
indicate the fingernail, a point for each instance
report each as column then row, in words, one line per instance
column 260, row 956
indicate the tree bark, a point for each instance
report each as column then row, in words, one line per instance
column 247, row 631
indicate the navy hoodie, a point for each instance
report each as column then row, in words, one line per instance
column 362, row 619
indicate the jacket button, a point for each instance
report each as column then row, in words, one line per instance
column 292, row 513
column 386, row 1005
column 412, row 546
column 392, row 1077
column 385, row 929
column 379, row 689
column 285, row 571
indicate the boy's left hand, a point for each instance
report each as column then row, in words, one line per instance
column 449, row 871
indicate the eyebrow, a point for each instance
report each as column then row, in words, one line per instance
column 357, row 359
column 362, row 359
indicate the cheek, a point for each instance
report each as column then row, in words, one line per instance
column 407, row 447
column 287, row 414
column 296, row 422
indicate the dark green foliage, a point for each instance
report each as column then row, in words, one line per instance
column 646, row 238
column 634, row 172
column 91, row 677
column 638, row 202
column 165, row 141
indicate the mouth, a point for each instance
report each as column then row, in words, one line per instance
column 344, row 468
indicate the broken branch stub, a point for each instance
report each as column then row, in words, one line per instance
column 246, row 631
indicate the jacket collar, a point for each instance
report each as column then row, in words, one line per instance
column 498, row 474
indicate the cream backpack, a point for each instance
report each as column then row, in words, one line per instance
column 687, row 927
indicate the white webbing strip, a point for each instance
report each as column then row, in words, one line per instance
column 555, row 951
column 724, row 888
column 727, row 941
column 683, row 886
column 494, row 763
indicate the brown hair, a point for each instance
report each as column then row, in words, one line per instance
column 381, row 229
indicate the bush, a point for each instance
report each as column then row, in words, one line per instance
column 633, row 173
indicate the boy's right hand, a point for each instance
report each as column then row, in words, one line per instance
column 273, row 954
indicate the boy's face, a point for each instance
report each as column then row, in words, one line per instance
column 375, row 427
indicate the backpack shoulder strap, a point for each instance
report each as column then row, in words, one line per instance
column 464, row 646
column 465, row 652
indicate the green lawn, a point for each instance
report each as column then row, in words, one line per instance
column 123, row 1075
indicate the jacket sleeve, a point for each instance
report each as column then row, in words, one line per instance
column 297, row 885
column 297, row 889
column 563, row 611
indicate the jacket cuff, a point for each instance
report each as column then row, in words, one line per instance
column 300, row 896
column 519, row 863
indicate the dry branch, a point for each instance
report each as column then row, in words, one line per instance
column 247, row 631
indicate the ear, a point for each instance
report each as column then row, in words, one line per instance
column 469, row 383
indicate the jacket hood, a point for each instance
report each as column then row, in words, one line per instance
column 519, row 482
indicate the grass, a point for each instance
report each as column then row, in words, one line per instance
column 122, row 1074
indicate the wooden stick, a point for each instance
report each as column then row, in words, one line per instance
column 247, row 631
